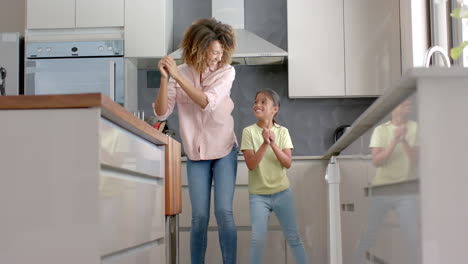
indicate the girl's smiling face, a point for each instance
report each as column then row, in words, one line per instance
column 263, row 107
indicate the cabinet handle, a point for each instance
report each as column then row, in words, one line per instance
column 347, row 207
column 112, row 80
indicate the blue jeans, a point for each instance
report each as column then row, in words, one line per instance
column 200, row 175
column 282, row 204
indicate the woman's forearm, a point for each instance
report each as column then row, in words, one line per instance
column 160, row 104
column 195, row 94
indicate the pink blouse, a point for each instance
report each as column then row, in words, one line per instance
column 206, row 133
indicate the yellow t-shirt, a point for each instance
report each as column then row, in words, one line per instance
column 269, row 176
column 398, row 166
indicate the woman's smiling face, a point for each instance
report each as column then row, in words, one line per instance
column 214, row 54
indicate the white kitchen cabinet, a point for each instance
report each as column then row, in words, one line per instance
column 50, row 14
column 343, row 48
column 131, row 189
column 100, row 13
column 59, row 14
column 148, row 28
column 82, row 183
column 354, row 203
column 372, row 46
column 315, row 48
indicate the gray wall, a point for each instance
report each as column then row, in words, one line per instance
column 311, row 122
column 186, row 11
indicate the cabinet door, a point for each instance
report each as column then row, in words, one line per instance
column 372, row 46
column 50, row 14
column 354, row 203
column 148, row 28
column 99, row 13
column 315, row 48
column 131, row 190
column 131, row 210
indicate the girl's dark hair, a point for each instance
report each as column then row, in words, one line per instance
column 198, row 37
column 275, row 98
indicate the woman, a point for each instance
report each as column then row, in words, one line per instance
column 201, row 88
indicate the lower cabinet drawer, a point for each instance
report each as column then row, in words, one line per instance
column 132, row 210
column 122, row 149
column 151, row 253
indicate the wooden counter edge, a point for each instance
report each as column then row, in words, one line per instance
column 57, row 101
column 173, row 179
column 124, row 118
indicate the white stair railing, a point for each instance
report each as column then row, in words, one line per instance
column 333, row 179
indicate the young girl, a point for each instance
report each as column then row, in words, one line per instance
column 267, row 150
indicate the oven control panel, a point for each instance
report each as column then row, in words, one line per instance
column 105, row 48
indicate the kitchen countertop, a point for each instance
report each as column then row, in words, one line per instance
column 118, row 115
column 109, row 110
column 411, row 180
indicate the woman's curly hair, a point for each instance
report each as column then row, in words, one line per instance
column 198, row 37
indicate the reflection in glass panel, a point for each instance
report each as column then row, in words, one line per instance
column 388, row 215
column 465, row 38
column 394, row 146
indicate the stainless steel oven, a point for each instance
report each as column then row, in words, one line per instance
column 75, row 67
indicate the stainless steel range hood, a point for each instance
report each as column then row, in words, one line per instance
column 251, row 49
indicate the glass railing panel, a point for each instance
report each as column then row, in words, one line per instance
column 379, row 191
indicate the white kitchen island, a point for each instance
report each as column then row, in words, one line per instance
column 439, row 182
column 82, row 181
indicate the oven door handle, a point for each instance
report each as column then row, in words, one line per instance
column 3, row 74
column 112, row 80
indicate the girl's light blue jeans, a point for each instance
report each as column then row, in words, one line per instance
column 201, row 174
column 261, row 207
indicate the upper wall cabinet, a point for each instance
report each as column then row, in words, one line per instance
column 315, row 48
column 343, row 48
column 100, row 13
column 54, row 14
column 50, row 14
column 148, row 28
column 372, row 46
